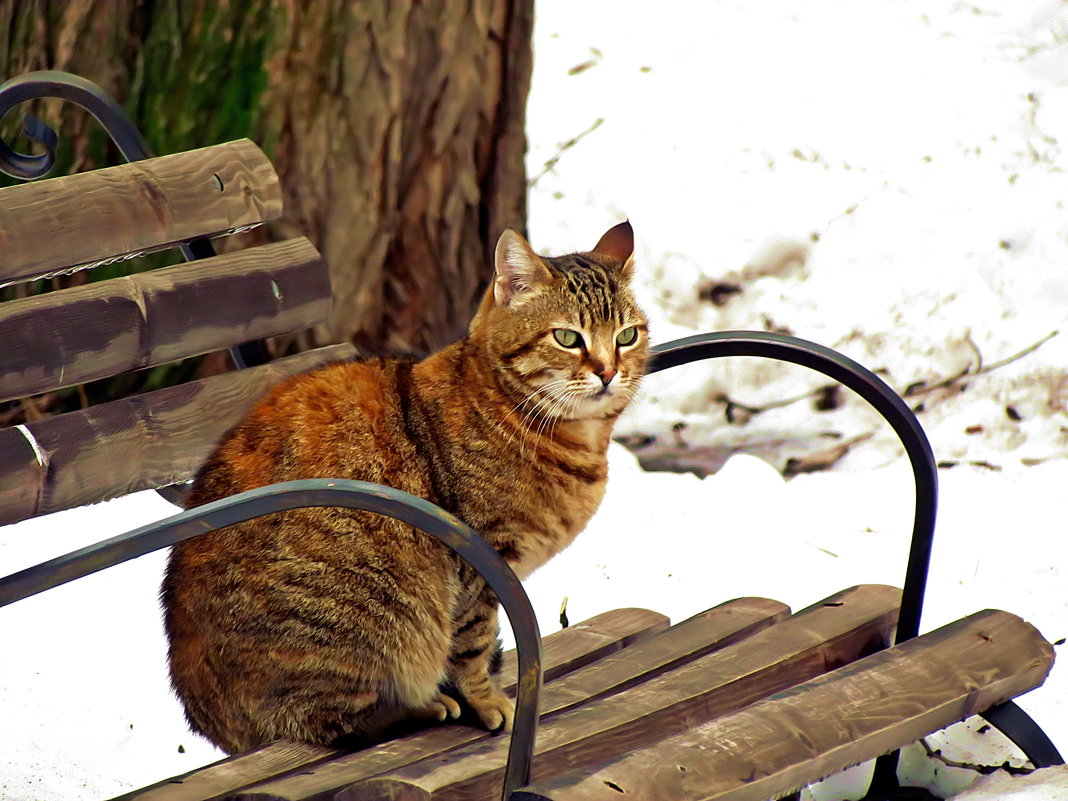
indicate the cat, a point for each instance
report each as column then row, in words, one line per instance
column 322, row 625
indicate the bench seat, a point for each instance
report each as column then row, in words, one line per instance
column 731, row 703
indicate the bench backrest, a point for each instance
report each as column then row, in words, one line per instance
column 67, row 337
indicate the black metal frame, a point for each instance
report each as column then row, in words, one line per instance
column 362, row 495
column 451, row 531
column 1007, row 717
column 874, row 390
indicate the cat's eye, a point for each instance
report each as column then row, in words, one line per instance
column 567, row 337
column 627, row 336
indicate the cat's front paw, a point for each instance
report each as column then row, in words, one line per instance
column 443, row 706
column 495, row 710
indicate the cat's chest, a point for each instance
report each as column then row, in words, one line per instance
column 530, row 512
column 528, row 492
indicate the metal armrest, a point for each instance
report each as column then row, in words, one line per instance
column 441, row 525
column 1008, row 717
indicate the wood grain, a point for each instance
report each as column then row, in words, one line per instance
column 854, row 714
column 136, row 443
column 706, row 633
column 233, row 773
column 836, row 631
column 588, row 641
column 700, row 634
column 562, row 652
column 118, row 211
column 65, row 338
column 21, row 472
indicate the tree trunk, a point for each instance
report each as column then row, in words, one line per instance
column 396, row 127
column 401, row 149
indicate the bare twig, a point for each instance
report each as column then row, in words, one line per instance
column 983, row 769
column 1025, row 352
column 734, row 406
column 563, row 148
column 821, row 460
column 923, row 388
column 975, row 349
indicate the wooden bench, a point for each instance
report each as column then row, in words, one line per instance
column 732, row 703
column 64, row 338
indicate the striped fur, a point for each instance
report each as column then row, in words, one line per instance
column 327, row 625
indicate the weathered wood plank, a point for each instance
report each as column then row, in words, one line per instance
column 562, row 652
column 21, row 474
column 582, row 643
column 133, row 208
column 140, row 442
column 65, row 338
column 235, row 772
column 878, row 704
column 705, row 633
column 684, row 642
column 827, row 635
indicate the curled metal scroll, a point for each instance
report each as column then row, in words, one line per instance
column 113, row 118
column 65, row 86
column 421, row 514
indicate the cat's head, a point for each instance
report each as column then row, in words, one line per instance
column 564, row 332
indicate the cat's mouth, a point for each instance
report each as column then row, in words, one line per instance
column 602, row 397
column 580, row 402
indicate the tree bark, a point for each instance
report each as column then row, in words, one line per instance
column 396, row 128
column 401, row 149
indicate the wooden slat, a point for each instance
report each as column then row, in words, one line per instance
column 851, row 715
column 582, row 643
column 65, row 338
column 233, row 773
column 20, row 475
column 685, row 642
column 140, row 442
column 562, row 652
column 132, row 208
column 824, row 636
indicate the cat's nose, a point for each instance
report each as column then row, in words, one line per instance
column 606, row 376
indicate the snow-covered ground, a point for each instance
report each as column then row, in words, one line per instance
column 884, row 178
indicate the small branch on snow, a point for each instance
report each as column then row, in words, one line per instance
column 748, row 410
column 1025, row 352
column 922, row 387
column 563, row 148
column 983, row 769
column 821, row 460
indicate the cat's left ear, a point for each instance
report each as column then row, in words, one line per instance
column 520, row 272
column 618, row 242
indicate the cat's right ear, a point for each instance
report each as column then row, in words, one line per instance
column 520, row 273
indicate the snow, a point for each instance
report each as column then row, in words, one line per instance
column 885, row 178
column 1042, row 785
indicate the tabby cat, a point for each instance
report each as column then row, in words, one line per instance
column 323, row 625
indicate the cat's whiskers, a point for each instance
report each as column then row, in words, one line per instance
column 573, row 400
column 568, row 404
column 550, row 418
column 560, row 404
column 532, row 395
column 554, row 401
column 543, row 397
